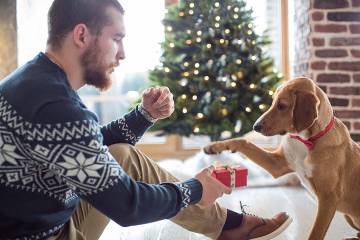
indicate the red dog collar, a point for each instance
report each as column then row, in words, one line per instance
column 310, row 142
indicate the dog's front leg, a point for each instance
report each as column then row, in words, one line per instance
column 274, row 162
column 325, row 213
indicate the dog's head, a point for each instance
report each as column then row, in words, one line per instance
column 294, row 109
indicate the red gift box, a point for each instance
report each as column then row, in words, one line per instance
column 231, row 176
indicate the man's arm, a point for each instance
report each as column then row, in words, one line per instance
column 157, row 103
column 75, row 153
column 128, row 129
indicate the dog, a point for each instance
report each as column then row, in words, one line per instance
column 316, row 145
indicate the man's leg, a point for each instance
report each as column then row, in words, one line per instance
column 86, row 223
column 140, row 167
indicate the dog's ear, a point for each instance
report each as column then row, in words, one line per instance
column 305, row 110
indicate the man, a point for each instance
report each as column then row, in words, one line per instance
column 58, row 180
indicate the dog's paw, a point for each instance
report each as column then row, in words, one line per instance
column 214, row 148
column 232, row 145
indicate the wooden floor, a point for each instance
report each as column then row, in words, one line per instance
column 265, row 201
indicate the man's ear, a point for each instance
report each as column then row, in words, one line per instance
column 305, row 110
column 81, row 35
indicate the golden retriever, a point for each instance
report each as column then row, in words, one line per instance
column 317, row 146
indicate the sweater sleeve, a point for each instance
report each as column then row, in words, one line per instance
column 128, row 129
column 70, row 143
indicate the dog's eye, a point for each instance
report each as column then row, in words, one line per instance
column 281, row 106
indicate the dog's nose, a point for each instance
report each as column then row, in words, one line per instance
column 258, row 127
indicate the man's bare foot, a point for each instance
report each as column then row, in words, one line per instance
column 256, row 228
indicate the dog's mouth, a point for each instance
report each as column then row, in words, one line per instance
column 269, row 134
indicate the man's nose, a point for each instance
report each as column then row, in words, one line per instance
column 120, row 55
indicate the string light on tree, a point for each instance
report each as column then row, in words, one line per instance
column 237, row 127
column 184, row 110
column 200, row 115
column 191, row 5
column 169, row 28
column 172, row 45
column 261, row 106
column 183, row 82
column 217, row 4
column 194, row 97
column 196, row 129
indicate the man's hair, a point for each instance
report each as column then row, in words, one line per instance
column 64, row 15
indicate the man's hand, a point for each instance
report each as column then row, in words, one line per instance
column 212, row 188
column 158, row 102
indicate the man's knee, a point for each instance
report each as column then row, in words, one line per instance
column 121, row 151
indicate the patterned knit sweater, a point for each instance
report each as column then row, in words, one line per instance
column 54, row 153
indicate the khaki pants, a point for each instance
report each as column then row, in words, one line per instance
column 88, row 224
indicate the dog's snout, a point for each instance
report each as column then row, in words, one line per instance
column 258, row 127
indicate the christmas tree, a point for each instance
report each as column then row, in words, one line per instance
column 214, row 64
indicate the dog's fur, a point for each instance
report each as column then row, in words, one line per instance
column 331, row 170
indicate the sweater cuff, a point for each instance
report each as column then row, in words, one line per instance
column 191, row 192
column 145, row 114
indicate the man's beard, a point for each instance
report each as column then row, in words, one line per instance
column 96, row 73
